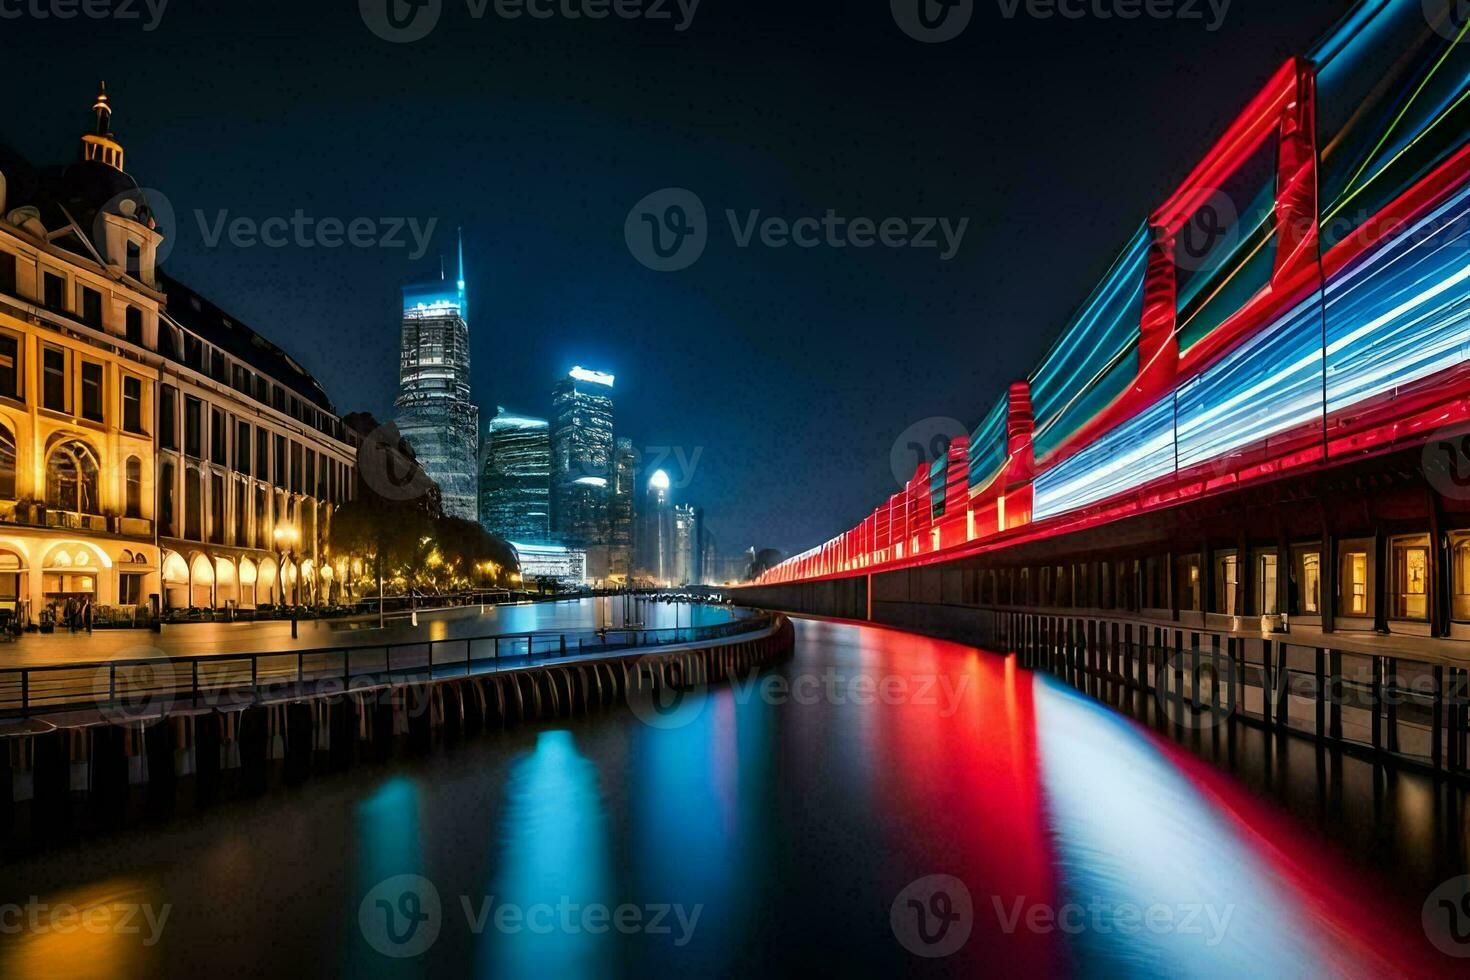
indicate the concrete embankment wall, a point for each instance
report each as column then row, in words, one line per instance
column 65, row 775
column 933, row 601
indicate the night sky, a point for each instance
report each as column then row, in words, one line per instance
column 791, row 372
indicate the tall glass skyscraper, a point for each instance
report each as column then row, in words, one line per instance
column 621, row 510
column 656, row 531
column 582, row 450
column 435, row 413
column 515, row 482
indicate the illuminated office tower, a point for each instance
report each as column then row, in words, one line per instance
column 515, row 482
column 656, row 532
column 435, row 413
column 581, row 449
column 621, row 509
column 686, row 537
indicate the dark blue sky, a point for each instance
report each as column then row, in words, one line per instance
column 788, row 372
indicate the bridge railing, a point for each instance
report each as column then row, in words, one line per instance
column 147, row 687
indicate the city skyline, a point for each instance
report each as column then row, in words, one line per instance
column 547, row 248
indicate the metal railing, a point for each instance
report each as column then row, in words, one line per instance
column 143, row 688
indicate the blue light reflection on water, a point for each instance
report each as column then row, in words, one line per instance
column 554, row 864
column 389, row 843
column 1131, row 831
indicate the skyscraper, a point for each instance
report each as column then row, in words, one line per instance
column 435, row 413
column 656, row 531
column 621, row 509
column 582, row 449
column 515, row 482
column 686, row 537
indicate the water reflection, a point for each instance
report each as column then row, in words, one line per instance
column 99, row 931
column 785, row 826
column 553, row 868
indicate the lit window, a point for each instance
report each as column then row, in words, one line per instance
column 1266, row 584
column 1227, row 582
column 1461, row 585
column 1410, row 577
column 1354, row 586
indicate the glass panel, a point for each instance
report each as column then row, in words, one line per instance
column 1411, row 578
column 1306, row 583
column 1461, row 575
column 1355, row 601
column 1266, row 584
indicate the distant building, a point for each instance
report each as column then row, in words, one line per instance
column 622, row 513
column 686, row 536
column 434, row 410
column 582, row 450
column 707, row 551
column 515, row 481
column 566, row 565
column 656, row 532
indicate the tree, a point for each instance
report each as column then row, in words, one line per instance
column 470, row 554
column 394, row 507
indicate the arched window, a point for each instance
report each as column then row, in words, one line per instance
column 166, row 490
column 133, row 477
column 7, row 464
column 71, row 479
column 193, row 506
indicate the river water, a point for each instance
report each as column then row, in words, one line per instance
column 883, row 804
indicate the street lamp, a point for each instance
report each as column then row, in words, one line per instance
column 286, row 539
